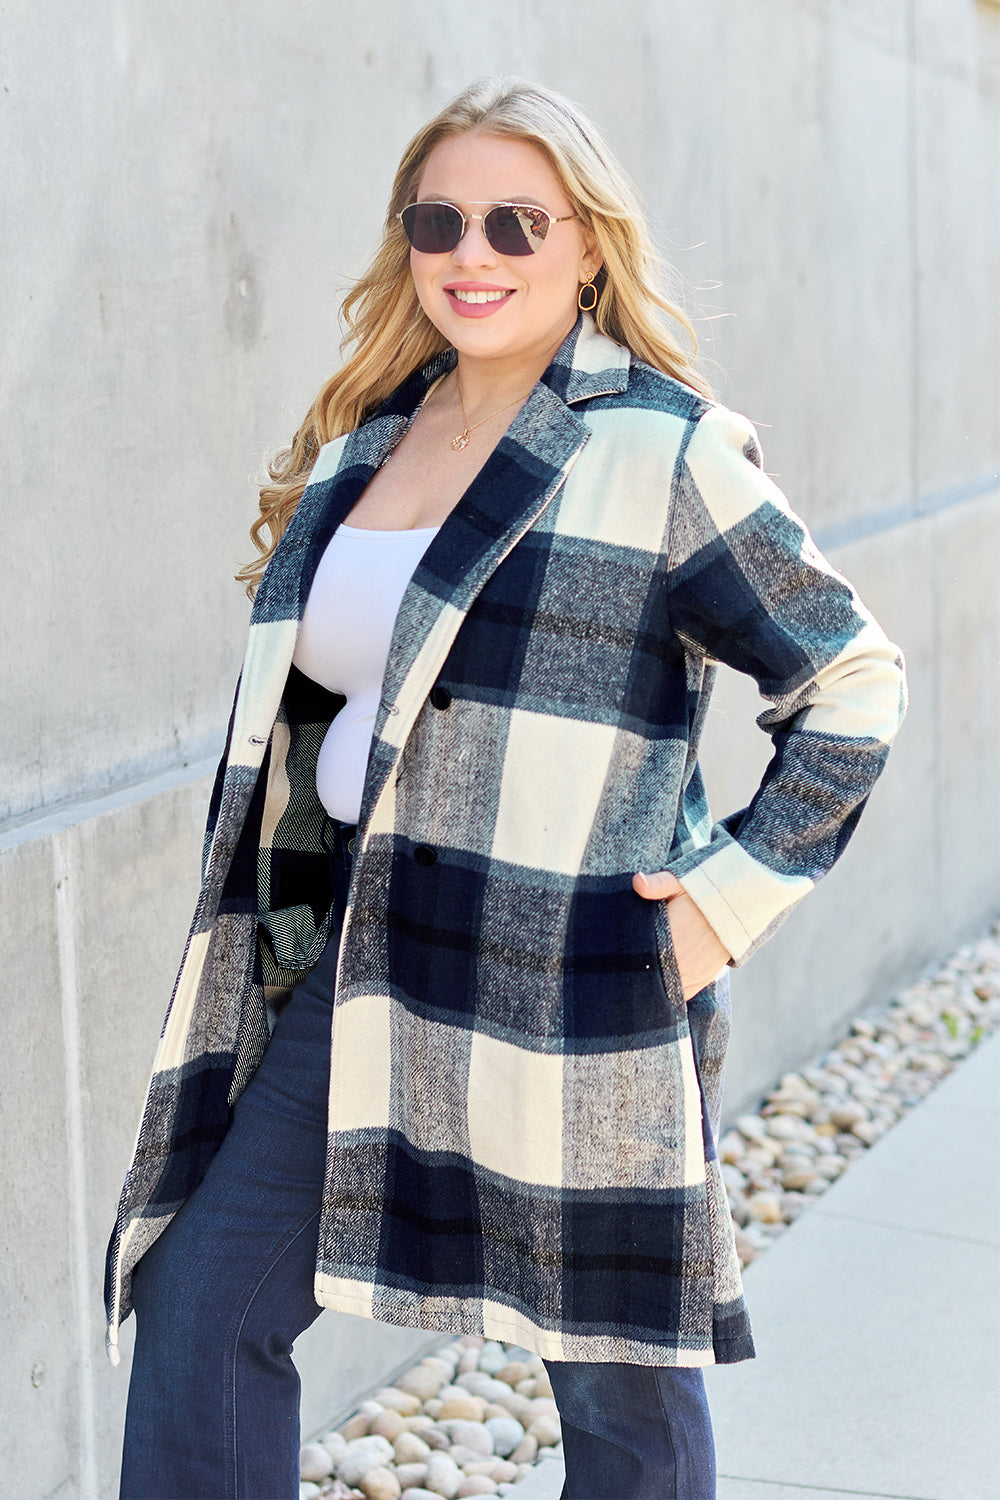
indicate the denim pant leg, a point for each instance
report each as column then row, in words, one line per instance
column 634, row 1432
column 213, row 1409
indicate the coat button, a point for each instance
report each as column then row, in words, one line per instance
column 425, row 855
column 440, row 696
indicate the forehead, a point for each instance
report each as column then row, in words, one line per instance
column 490, row 168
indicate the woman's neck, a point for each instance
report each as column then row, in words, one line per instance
column 486, row 384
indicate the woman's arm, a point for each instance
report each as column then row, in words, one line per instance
column 747, row 587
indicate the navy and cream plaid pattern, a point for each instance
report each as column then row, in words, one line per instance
column 522, row 1107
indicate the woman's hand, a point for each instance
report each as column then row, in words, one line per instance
column 699, row 955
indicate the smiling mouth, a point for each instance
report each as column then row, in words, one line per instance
column 478, row 297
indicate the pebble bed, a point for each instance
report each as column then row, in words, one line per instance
column 475, row 1417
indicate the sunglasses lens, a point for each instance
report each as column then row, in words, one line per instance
column 515, row 229
column 432, row 228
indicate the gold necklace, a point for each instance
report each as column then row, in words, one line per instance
column 462, row 440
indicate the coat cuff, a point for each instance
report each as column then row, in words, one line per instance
column 742, row 900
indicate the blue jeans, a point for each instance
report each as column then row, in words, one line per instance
column 213, row 1407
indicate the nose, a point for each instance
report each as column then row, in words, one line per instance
column 474, row 249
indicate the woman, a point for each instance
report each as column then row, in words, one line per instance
column 514, row 533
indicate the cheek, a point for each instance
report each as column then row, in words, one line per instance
column 415, row 268
column 422, row 277
column 559, row 284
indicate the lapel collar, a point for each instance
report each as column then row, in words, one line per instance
column 513, row 488
column 586, row 365
column 341, row 472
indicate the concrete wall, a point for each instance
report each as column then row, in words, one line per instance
column 186, row 190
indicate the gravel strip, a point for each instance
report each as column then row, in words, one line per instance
column 475, row 1417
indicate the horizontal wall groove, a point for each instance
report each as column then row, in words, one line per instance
column 839, row 533
column 83, row 809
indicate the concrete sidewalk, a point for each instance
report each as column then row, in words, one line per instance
column 877, row 1323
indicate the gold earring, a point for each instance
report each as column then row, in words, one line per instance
column 587, row 286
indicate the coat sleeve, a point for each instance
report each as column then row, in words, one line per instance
column 747, row 587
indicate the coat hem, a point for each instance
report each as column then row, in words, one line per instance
column 551, row 1344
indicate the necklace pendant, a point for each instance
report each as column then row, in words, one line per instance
column 460, row 442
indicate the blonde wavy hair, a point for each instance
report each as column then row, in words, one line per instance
column 389, row 336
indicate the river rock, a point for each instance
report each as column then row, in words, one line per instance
column 546, row 1430
column 513, row 1371
column 395, row 1400
column 847, row 1114
column 388, row 1424
column 500, row 1470
column 492, row 1358
column 513, row 1403
column 443, row 1476
column 526, row 1450
column 423, row 1381
column 760, row 1156
column 746, row 1252
column 363, row 1454
column 469, row 1435
column 795, row 1153
column 478, row 1383
column 475, row 1484
column 411, row 1474
column 919, row 1012
column 751, row 1128
column 315, row 1462
column 462, row 1404
column 778, row 1106
column 308, row 1490
column 732, row 1176
column 541, row 1406
column 506, row 1434
column 739, row 1207
column 766, row 1208
column 380, row 1484
column 464, row 1456
column 732, row 1147
column 411, row 1449
column 799, row 1177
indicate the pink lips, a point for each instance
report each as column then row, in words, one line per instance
column 476, row 309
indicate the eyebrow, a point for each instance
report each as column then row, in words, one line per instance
column 527, row 199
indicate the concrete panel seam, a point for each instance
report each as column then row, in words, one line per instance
column 907, row 1229
column 839, row 533
column 818, row 1489
column 69, row 986
column 68, row 815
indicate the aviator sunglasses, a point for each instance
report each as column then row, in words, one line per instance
column 510, row 228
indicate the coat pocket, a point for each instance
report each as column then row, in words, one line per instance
column 663, row 941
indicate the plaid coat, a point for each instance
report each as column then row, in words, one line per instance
column 522, row 1106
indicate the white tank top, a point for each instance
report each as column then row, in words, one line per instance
column 343, row 644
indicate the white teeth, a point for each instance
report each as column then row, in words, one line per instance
column 478, row 296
